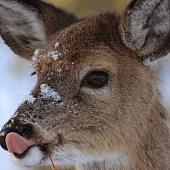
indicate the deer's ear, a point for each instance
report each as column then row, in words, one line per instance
column 145, row 28
column 26, row 25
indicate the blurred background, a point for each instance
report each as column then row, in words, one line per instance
column 15, row 74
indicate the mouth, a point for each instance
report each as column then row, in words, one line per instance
column 22, row 155
column 17, row 144
column 24, row 152
column 42, row 148
column 28, row 154
column 32, row 156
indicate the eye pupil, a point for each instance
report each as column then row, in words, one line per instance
column 97, row 79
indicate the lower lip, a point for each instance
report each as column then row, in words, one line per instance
column 20, row 156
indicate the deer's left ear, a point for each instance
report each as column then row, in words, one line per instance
column 26, row 25
column 145, row 28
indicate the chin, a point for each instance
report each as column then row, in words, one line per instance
column 33, row 157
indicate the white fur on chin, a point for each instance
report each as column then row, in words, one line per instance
column 32, row 158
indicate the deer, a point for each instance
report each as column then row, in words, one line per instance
column 95, row 104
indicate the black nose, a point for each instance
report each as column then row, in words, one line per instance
column 25, row 130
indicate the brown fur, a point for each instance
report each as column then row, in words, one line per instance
column 119, row 126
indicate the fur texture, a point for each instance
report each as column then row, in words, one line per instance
column 117, row 126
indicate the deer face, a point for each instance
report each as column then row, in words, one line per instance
column 93, row 97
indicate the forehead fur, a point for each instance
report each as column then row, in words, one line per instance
column 77, row 41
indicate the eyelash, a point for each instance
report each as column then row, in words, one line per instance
column 33, row 73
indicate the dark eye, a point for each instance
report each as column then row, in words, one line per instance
column 95, row 79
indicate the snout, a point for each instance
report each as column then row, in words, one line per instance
column 27, row 142
column 15, row 139
column 12, row 140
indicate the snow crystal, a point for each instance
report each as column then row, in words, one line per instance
column 2, row 133
column 54, row 54
column 36, row 52
column 30, row 99
column 14, row 115
column 56, row 44
column 67, row 50
column 8, row 126
column 34, row 58
column 47, row 92
column 51, row 53
column 59, row 70
column 65, row 32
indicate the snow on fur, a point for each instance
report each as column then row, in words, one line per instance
column 47, row 92
column 30, row 99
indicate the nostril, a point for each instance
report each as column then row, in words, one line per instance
column 4, row 133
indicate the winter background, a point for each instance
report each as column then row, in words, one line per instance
column 15, row 73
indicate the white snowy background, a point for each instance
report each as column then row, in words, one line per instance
column 16, row 82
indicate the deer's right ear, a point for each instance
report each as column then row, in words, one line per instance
column 26, row 25
column 145, row 28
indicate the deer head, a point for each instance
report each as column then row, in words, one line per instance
column 95, row 103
